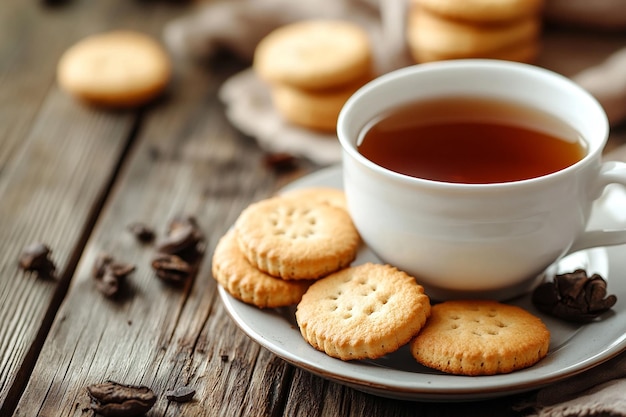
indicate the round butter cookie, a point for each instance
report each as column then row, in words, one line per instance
column 314, row 54
column 486, row 11
column 429, row 32
column 246, row 283
column 526, row 52
column 325, row 195
column 117, row 69
column 361, row 312
column 313, row 109
column 476, row 337
column 296, row 238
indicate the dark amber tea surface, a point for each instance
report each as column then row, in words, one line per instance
column 471, row 140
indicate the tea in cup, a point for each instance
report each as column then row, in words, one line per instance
column 475, row 176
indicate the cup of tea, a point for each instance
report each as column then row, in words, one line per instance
column 475, row 176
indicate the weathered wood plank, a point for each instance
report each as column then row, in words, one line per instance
column 57, row 158
column 50, row 190
column 186, row 160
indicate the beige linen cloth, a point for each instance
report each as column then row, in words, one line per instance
column 238, row 25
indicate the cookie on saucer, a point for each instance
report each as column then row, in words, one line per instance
column 325, row 195
column 361, row 312
column 480, row 337
column 294, row 238
column 434, row 37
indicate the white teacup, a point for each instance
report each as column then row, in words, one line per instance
column 477, row 240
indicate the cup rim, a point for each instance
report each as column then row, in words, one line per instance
column 349, row 146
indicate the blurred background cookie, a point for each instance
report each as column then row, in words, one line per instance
column 434, row 37
column 314, row 54
column 312, row 67
column 314, row 109
column 483, row 11
column 453, row 29
column 115, row 69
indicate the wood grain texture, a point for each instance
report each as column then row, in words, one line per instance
column 185, row 160
column 53, row 178
column 76, row 177
column 57, row 160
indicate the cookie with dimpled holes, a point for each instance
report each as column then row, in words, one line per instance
column 326, row 195
column 480, row 337
column 294, row 238
column 361, row 312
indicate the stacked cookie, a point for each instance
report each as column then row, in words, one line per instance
column 456, row 29
column 312, row 68
column 280, row 245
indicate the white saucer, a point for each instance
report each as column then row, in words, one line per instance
column 573, row 348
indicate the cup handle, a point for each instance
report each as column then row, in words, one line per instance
column 611, row 172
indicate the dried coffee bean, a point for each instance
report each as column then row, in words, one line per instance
column 182, row 221
column 183, row 238
column 180, row 251
column 142, row 232
column 179, row 239
column 280, row 161
column 171, row 268
column 574, row 297
column 110, row 274
column 108, row 284
column 99, row 266
column 121, row 270
column 115, row 399
column 36, row 257
column 180, row 394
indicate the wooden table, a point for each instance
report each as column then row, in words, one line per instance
column 75, row 177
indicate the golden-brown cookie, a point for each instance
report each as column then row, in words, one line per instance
column 476, row 337
column 314, row 54
column 313, row 109
column 248, row 284
column 295, row 238
column 430, row 34
column 117, row 69
column 483, row 10
column 327, row 195
column 362, row 312
column 526, row 52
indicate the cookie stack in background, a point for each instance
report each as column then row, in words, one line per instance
column 312, row 68
column 455, row 29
